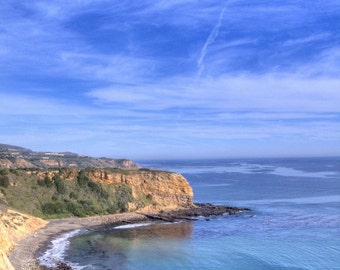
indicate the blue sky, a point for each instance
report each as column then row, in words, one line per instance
column 171, row 79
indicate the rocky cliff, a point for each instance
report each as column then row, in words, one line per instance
column 164, row 189
column 15, row 157
column 56, row 193
column 161, row 189
column 14, row 226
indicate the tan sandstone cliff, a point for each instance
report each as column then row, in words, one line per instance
column 165, row 189
column 15, row 226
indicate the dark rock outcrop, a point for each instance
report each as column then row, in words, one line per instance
column 194, row 212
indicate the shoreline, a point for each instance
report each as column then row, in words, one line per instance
column 24, row 254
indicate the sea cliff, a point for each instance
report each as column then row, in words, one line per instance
column 86, row 192
column 79, row 192
column 32, row 190
column 163, row 189
column 14, row 227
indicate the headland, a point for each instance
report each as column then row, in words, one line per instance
column 40, row 199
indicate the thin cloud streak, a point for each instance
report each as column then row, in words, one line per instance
column 308, row 39
column 211, row 38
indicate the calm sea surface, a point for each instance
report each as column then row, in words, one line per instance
column 294, row 222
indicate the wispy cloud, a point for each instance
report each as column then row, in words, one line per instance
column 107, row 68
column 326, row 64
column 307, row 39
column 164, row 77
column 270, row 92
column 211, row 38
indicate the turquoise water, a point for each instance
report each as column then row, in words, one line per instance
column 294, row 222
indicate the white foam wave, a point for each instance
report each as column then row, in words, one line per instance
column 214, row 169
column 250, row 168
column 130, row 226
column 213, row 185
column 301, row 200
column 57, row 250
column 283, row 171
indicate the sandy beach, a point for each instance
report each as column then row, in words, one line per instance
column 23, row 255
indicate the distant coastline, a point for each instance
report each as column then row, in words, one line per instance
column 17, row 157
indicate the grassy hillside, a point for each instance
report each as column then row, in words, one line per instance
column 48, row 194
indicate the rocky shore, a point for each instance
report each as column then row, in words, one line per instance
column 194, row 212
column 23, row 256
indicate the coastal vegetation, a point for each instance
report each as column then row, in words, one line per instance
column 47, row 194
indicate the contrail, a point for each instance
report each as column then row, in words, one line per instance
column 213, row 35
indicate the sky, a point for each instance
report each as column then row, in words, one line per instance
column 171, row 79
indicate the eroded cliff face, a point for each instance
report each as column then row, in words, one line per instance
column 163, row 189
column 16, row 163
column 15, row 226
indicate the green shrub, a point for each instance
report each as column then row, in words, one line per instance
column 94, row 187
column 123, row 194
column 4, row 181
column 41, row 183
column 3, row 171
column 48, row 182
column 73, row 195
column 112, row 209
column 144, row 200
column 59, row 184
column 104, row 194
column 14, row 171
column 83, row 202
column 53, row 208
column 82, row 179
column 75, row 209
column 98, row 189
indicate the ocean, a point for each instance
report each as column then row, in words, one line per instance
column 294, row 222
